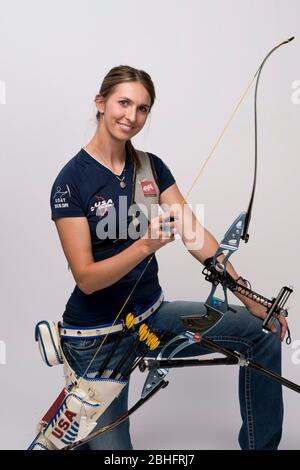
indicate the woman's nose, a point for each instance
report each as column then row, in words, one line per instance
column 131, row 114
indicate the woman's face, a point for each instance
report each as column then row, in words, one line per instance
column 126, row 110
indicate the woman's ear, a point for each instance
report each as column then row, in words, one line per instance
column 100, row 103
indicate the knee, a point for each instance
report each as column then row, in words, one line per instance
column 267, row 349
column 272, row 338
column 254, row 330
column 264, row 343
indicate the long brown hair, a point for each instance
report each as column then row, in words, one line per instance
column 120, row 74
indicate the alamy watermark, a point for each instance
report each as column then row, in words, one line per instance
column 295, row 97
column 2, row 92
column 141, row 221
column 296, row 354
column 2, row 352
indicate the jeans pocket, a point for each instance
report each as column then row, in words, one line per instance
column 82, row 354
column 82, row 344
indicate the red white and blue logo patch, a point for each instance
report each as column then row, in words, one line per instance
column 148, row 188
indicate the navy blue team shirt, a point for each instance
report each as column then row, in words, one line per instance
column 85, row 188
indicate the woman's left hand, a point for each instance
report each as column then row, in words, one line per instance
column 260, row 311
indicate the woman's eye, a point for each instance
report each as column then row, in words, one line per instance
column 143, row 109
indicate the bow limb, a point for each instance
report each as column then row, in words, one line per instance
column 245, row 235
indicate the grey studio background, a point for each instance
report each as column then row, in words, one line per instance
column 201, row 55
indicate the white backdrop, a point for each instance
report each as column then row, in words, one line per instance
column 201, row 54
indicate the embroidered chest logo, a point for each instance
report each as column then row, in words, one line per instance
column 101, row 205
column 148, row 188
column 59, row 197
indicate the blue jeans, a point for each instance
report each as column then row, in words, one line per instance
column 261, row 403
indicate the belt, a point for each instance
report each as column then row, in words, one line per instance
column 108, row 328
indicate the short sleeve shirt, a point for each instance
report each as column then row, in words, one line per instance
column 86, row 188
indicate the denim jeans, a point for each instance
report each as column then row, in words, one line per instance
column 261, row 402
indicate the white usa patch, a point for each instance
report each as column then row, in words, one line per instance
column 101, row 206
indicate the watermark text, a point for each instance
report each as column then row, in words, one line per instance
column 151, row 222
column 296, row 354
column 295, row 97
column 2, row 352
column 2, row 92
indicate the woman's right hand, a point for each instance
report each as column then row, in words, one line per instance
column 161, row 231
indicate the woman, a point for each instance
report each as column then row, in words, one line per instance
column 108, row 253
